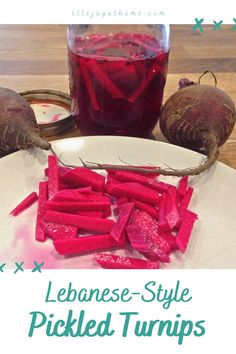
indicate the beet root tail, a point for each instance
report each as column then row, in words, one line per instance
column 31, row 139
column 211, row 148
column 39, row 142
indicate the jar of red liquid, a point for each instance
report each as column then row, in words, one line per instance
column 117, row 77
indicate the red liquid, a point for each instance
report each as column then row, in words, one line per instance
column 117, row 83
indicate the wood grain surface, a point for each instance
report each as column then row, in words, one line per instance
column 35, row 56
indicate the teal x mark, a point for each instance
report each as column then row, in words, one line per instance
column 37, row 267
column 198, row 25
column 234, row 26
column 1, row 267
column 217, row 25
column 19, row 267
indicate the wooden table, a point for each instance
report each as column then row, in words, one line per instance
column 35, row 56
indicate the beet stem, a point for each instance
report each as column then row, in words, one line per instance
column 206, row 72
column 39, row 142
column 210, row 146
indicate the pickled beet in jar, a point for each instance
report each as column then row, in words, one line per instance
column 117, row 77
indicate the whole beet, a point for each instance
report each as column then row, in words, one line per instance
column 18, row 126
column 196, row 116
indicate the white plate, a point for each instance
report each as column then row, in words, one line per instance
column 213, row 240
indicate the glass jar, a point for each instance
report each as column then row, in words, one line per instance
column 117, row 76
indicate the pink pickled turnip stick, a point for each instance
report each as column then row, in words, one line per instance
column 62, row 170
column 82, row 222
column 184, row 233
column 182, row 187
column 85, row 244
column 73, row 207
column 110, row 183
column 89, row 86
column 146, row 180
column 105, row 81
column 163, row 224
column 84, row 177
column 85, row 190
column 72, row 196
column 118, row 230
column 110, row 261
column 160, row 187
column 59, row 231
column 112, row 180
column 149, row 209
column 185, row 202
column 133, row 190
column 138, row 238
column 43, row 196
column 171, row 212
column 147, row 233
column 170, row 239
column 156, row 254
column 150, row 226
column 25, row 204
column 153, row 71
column 121, row 201
column 94, row 214
column 127, row 176
column 53, row 176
